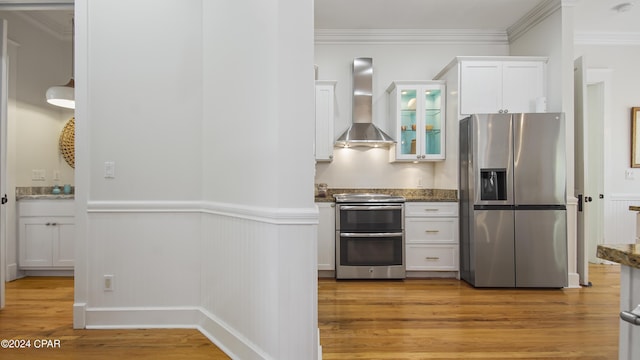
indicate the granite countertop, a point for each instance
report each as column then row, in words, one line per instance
column 411, row 195
column 42, row 193
column 634, row 208
column 624, row 254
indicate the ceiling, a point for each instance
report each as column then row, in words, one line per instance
column 589, row 15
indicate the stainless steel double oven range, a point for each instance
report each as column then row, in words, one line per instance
column 370, row 236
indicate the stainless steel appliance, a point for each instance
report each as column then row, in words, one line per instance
column 513, row 226
column 370, row 236
column 362, row 131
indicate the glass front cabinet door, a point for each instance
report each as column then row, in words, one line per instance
column 416, row 109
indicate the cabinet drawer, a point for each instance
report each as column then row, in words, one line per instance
column 422, row 209
column 432, row 257
column 432, row 230
column 46, row 207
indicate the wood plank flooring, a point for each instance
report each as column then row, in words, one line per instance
column 448, row 319
column 41, row 308
column 411, row 319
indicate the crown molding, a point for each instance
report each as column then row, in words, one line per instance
column 37, row 4
column 536, row 16
column 410, row 36
column 606, row 38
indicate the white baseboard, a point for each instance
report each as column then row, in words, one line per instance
column 574, row 281
column 12, row 272
column 68, row 273
column 79, row 320
column 223, row 336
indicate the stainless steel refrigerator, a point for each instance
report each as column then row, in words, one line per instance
column 513, row 222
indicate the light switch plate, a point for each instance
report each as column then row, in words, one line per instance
column 629, row 174
column 109, row 170
column 38, row 175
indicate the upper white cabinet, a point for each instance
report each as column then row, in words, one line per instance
column 325, row 115
column 487, row 84
column 417, row 112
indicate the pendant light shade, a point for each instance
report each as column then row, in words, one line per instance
column 62, row 95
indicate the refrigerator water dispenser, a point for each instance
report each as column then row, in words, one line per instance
column 493, row 184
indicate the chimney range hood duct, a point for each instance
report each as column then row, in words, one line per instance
column 362, row 132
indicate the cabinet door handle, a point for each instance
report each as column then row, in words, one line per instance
column 54, row 224
column 48, row 224
column 432, row 231
column 432, row 258
column 430, row 209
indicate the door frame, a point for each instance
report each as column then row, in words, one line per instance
column 13, row 5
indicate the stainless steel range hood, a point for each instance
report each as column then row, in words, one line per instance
column 362, row 132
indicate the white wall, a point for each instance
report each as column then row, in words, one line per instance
column 392, row 61
column 209, row 222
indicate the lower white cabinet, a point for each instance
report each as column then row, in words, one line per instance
column 46, row 234
column 431, row 236
column 326, row 236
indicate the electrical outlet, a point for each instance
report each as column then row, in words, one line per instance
column 108, row 283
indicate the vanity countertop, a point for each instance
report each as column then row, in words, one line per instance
column 42, row 193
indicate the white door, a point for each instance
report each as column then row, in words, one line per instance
column 595, row 123
column 4, row 98
column 581, row 167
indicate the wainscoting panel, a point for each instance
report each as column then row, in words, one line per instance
column 619, row 221
column 259, row 280
column 246, row 277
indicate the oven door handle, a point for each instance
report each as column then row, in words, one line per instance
column 370, row 207
column 370, row 235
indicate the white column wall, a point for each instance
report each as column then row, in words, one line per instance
column 259, row 228
column 209, row 221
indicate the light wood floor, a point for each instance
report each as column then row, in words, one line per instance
column 448, row 319
column 41, row 308
column 411, row 319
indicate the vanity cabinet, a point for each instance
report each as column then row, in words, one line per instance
column 46, row 234
column 431, row 237
column 417, row 112
column 326, row 237
column 325, row 117
column 488, row 84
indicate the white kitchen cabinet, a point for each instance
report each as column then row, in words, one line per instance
column 326, row 236
column 431, row 236
column 46, row 234
column 325, row 116
column 488, row 84
column 417, row 112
